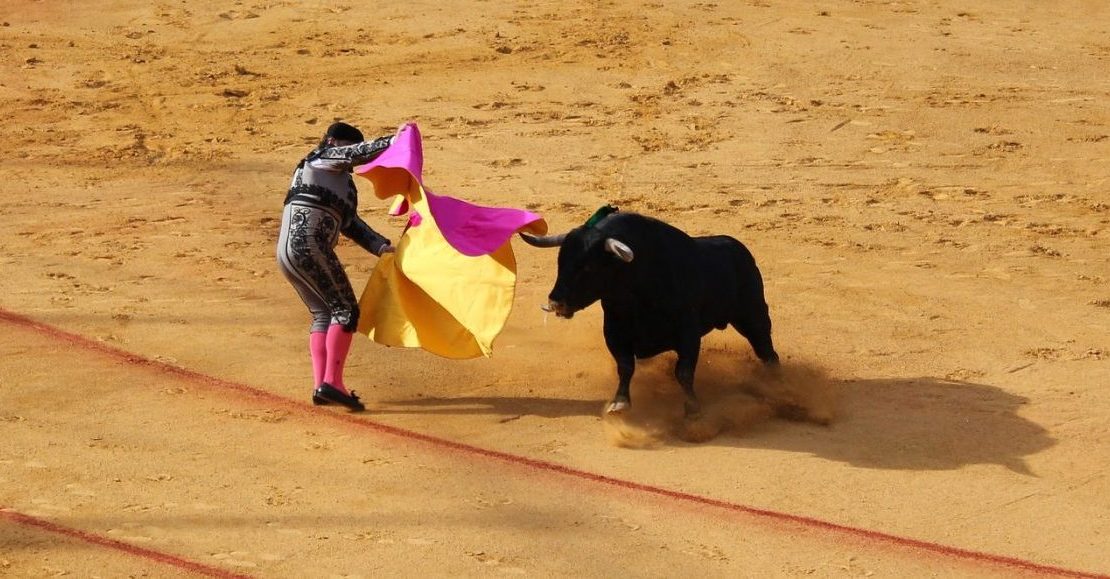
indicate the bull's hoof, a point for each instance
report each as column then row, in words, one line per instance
column 618, row 407
column 769, row 357
column 792, row 411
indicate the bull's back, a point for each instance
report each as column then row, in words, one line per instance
column 724, row 249
column 730, row 277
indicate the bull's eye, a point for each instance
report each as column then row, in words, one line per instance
column 585, row 272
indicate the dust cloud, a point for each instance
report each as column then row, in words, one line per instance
column 737, row 394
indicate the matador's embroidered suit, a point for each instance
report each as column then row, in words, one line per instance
column 322, row 202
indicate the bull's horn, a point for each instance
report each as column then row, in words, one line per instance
column 619, row 249
column 543, row 240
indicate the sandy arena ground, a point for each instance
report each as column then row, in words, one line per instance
column 924, row 185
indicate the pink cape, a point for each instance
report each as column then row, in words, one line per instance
column 471, row 229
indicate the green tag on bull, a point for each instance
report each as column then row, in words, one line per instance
column 599, row 215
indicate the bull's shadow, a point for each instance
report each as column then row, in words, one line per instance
column 903, row 424
column 909, row 424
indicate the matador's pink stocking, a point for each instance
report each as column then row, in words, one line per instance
column 338, row 345
column 317, row 347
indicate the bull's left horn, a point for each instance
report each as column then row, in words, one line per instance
column 619, row 249
column 543, row 240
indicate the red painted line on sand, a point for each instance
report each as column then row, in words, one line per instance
column 353, row 420
column 134, row 551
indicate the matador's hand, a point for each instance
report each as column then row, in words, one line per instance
column 403, row 126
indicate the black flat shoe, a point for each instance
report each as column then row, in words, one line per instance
column 328, row 393
column 319, row 400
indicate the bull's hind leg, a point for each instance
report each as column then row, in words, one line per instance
column 756, row 329
column 684, row 373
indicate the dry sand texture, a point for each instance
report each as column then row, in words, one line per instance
column 925, row 185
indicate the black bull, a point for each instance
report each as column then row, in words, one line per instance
column 660, row 290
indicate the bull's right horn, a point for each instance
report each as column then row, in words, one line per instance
column 543, row 240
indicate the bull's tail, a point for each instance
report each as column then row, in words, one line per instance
column 752, row 317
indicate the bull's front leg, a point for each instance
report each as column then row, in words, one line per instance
column 622, row 400
column 619, row 336
column 688, row 350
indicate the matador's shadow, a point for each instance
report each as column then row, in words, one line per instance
column 507, row 407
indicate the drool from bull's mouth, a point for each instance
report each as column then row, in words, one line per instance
column 559, row 310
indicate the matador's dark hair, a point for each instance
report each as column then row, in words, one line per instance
column 344, row 132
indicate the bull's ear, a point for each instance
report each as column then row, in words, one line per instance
column 619, row 249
